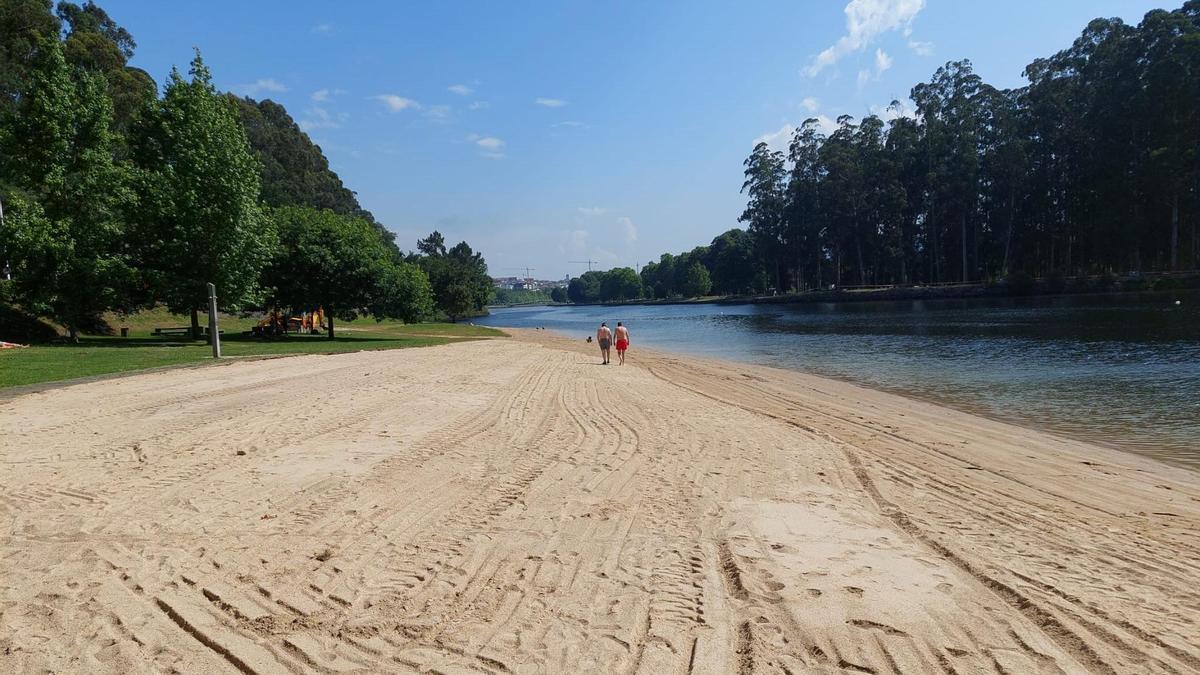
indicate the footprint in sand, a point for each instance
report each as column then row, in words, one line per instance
column 854, row 590
column 813, row 592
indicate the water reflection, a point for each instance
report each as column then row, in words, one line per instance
column 1119, row 369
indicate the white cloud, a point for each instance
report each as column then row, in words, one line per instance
column 322, row 28
column 921, row 48
column 810, row 104
column 865, row 21
column 778, row 140
column 490, row 146
column 396, row 103
column 490, row 143
column 882, row 62
column 550, row 102
column 826, row 125
column 320, row 118
column 460, row 89
column 570, row 123
column 259, row 86
column 477, row 105
column 438, row 112
column 894, row 110
column 628, row 228
column 591, row 210
column 321, row 95
column 781, row 138
column 573, row 242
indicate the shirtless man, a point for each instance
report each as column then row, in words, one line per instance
column 622, row 342
column 604, row 337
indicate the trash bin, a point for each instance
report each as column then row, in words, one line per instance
column 124, row 331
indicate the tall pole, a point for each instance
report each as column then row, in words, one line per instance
column 214, row 333
column 7, row 272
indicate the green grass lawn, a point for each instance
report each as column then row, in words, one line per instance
column 98, row 355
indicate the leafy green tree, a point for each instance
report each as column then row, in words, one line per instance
column 509, row 296
column 558, row 294
column 585, row 288
column 341, row 264
column 201, row 222
column 459, row 276
column 26, row 26
column 697, row 282
column 401, row 290
column 620, row 283
column 733, row 263
column 64, row 235
column 95, row 42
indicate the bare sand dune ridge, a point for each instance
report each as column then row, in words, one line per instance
column 510, row 506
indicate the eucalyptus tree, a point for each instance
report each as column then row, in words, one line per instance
column 948, row 107
column 764, row 186
column 805, row 218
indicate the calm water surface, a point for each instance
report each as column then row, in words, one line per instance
column 1123, row 370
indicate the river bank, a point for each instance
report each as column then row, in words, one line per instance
column 512, row 506
column 1023, row 287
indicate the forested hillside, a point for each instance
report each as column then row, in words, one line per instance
column 118, row 197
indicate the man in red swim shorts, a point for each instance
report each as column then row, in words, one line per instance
column 622, row 342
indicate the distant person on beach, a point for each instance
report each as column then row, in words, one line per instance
column 622, row 342
column 604, row 337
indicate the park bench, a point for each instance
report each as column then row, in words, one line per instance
column 182, row 332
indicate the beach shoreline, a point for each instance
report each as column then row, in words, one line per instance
column 511, row 506
column 1167, row 455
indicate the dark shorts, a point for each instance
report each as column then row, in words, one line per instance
column 604, row 344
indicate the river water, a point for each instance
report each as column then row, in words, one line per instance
column 1122, row 370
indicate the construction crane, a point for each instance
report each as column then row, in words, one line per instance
column 589, row 262
column 527, row 270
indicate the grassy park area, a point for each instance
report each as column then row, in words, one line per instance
column 103, row 354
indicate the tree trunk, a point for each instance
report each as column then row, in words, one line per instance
column 1175, row 232
column 1008, row 237
column 962, row 233
column 195, row 324
column 818, row 267
column 329, row 324
column 72, row 333
column 862, row 271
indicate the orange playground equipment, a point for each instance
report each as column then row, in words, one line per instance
column 276, row 323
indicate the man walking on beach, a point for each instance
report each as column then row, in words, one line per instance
column 604, row 337
column 622, row 342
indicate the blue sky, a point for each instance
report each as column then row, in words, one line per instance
column 546, row 132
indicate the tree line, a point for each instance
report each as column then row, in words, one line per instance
column 118, row 199
column 1091, row 168
column 727, row 266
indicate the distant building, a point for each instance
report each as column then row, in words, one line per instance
column 520, row 284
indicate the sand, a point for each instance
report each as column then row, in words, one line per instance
column 510, row 506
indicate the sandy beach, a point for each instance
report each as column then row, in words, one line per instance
column 510, row 506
